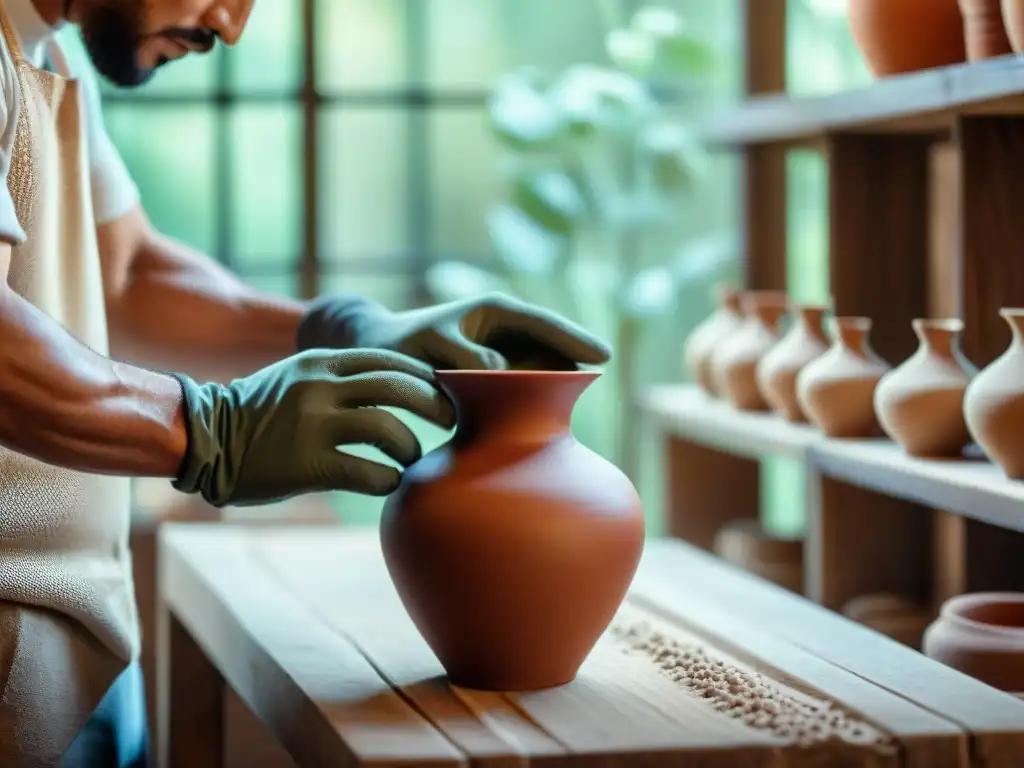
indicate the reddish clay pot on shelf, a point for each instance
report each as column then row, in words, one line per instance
column 777, row 370
column 984, row 29
column 734, row 363
column 920, row 403
column 512, row 545
column 894, row 616
column 897, row 36
column 981, row 635
column 1013, row 19
column 710, row 334
column 747, row 545
column 994, row 403
column 836, row 391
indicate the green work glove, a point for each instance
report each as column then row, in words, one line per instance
column 491, row 332
column 274, row 434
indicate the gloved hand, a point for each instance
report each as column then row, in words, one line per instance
column 273, row 434
column 490, row 332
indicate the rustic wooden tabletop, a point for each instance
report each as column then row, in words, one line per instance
column 703, row 666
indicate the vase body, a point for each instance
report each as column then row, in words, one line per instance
column 984, row 29
column 1013, row 18
column 734, row 363
column 746, row 544
column 994, row 403
column 512, row 546
column 920, row 403
column 836, row 390
column 981, row 635
column 709, row 335
column 778, row 369
column 897, row 36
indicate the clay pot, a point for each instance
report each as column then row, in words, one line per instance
column 994, row 403
column 836, row 391
column 777, row 370
column 734, row 363
column 512, row 546
column 747, row 545
column 1013, row 19
column 920, row 403
column 894, row 616
column 897, row 36
column 709, row 334
column 984, row 29
column 981, row 635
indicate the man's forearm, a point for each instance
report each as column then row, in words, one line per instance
column 63, row 404
column 180, row 310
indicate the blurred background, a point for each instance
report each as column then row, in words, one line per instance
column 423, row 150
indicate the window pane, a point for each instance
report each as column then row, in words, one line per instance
column 266, row 184
column 463, row 183
column 393, row 291
column 284, row 285
column 361, row 44
column 473, row 41
column 169, row 152
column 269, row 55
column 364, row 182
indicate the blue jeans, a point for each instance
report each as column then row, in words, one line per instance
column 116, row 736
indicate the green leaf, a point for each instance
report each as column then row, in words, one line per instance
column 672, row 154
column 520, row 114
column 550, row 198
column 649, row 293
column 520, row 244
column 630, row 50
column 675, row 49
column 593, row 98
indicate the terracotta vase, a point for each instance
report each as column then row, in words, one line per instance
column 778, row 369
column 920, row 403
column 747, row 545
column 1013, row 19
column 512, row 545
column 709, row 334
column 836, row 391
column 734, row 363
column 981, row 635
column 984, row 29
column 897, row 36
column 894, row 616
column 994, row 403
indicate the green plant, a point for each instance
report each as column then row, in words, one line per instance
column 596, row 167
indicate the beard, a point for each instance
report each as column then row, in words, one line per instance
column 112, row 31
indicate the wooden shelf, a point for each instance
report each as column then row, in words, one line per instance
column 921, row 102
column 972, row 487
column 685, row 411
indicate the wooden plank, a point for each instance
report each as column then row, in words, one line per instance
column 994, row 719
column 920, row 102
column 685, row 411
column 313, row 689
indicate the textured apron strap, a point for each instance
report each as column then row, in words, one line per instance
column 10, row 36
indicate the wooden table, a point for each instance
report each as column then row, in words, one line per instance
column 703, row 666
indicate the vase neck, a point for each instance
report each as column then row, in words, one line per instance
column 852, row 334
column 939, row 337
column 514, row 406
column 812, row 322
column 1015, row 319
column 729, row 299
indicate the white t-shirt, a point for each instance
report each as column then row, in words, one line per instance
column 114, row 193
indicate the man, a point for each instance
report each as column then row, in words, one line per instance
column 89, row 282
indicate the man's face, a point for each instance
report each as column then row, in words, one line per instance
column 129, row 39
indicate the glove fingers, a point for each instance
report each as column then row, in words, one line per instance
column 336, row 471
column 398, row 390
column 351, row 362
column 452, row 350
column 372, row 426
column 553, row 331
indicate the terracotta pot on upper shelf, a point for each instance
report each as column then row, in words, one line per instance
column 897, row 36
column 981, row 635
column 512, row 545
column 894, row 616
column 709, row 335
column 734, row 363
column 748, row 545
column 920, row 403
column 984, row 29
column 994, row 403
column 836, row 391
column 777, row 370
column 1013, row 19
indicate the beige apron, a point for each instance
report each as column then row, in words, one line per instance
column 68, row 623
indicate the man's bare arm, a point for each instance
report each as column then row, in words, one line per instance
column 63, row 404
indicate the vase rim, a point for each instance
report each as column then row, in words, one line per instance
column 951, row 324
column 955, row 609
column 1012, row 312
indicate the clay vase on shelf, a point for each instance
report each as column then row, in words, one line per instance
column 897, row 36
column 981, row 635
column 984, row 29
column 734, row 363
column 512, row 545
column 778, row 369
column 747, row 545
column 920, row 403
column 836, row 391
column 1013, row 19
column 894, row 616
column 994, row 403
column 709, row 334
